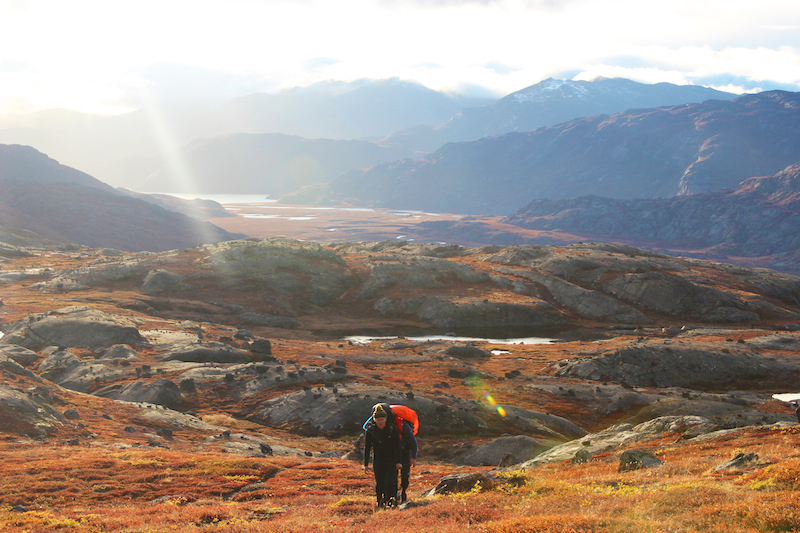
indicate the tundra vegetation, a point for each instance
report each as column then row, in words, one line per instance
column 211, row 389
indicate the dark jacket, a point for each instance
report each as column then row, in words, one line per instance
column 385, row 444
column 409, row 440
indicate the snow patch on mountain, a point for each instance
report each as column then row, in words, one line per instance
column 545, row 90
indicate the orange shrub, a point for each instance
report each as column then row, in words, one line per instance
column 543, row 524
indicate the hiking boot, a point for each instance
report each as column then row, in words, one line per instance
column 391, row 503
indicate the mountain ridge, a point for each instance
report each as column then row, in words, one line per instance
column 679, row 150
column 77, row 208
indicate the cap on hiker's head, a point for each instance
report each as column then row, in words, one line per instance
column 378, row 412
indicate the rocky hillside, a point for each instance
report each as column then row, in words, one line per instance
column 213, row 386
column 760, row 218
column 551, row 102
column 644, row 153
column 63, row 204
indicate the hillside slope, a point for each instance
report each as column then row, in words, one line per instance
column 647, row 153
column 58, row 202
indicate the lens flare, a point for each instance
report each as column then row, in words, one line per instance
column 478, row 387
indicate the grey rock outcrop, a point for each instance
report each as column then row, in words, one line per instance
column 616, row 437
column 522, row 447
column 19, row 354
column 675, row 296
column 583, row 302
column 476, row 313
column 69, row 371
column 207, row 352
column 159, row 392
column 637, row 460
column 30, row 414
column 416, row 272
column 284, row 266
column 692, row 365
column 158, row 281
column 119, row 352
column 77, row 326
column 343, row 409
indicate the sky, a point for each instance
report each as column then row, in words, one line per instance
column 109, row 56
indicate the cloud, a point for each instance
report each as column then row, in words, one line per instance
column 14, row 66
column 500, row 68
column 545, row 5
column 318, row 63
column 166, row 82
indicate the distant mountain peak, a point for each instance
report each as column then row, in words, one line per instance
column 550, row 88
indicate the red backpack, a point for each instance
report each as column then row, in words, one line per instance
column 401, row 412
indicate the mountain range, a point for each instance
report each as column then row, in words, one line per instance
column 551, row 102
column 640, row 153
column 404, row 119
column 124, row 149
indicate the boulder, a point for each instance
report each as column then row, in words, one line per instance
column 77, row 326
column 742, row 461
column 466, row 482
column 637, row 459
column 467, row 352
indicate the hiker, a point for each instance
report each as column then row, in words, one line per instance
column 383, row 439
column 409, row 458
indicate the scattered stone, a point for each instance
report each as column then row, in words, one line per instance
column 637, row 459
column 742, row 461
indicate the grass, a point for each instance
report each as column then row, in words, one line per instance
column 137, row 489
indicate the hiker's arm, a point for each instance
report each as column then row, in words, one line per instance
column 367, row 450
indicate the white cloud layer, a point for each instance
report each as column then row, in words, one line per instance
column 100, row 56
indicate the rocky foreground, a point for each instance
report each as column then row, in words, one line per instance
column 239, row 347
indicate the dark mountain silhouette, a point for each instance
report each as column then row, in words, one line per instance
column 58, row 202
column 644, row 153
column 269, row 163
column 548, row 103
column 124, row 149
column 759, row 218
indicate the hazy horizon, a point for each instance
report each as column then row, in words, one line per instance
column 105, row 57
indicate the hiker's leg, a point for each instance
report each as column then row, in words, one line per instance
column 390, row 482
column 405, row 473
column 380, row 475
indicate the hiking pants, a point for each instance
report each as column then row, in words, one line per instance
column 385, row 481
column 405, row 472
